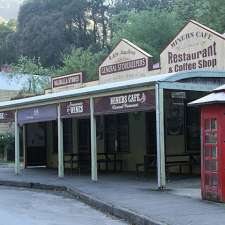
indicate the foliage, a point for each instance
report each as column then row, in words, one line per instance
column 50, row 29
column 147, row 29
column 7, row 141
column 38, row 79
column 210, row 13
column 7, row 53
column 140, row 5
column 81, row 60
column 73, row 35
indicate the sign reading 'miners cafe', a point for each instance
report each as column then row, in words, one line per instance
column 133, row 99
column 196, row 47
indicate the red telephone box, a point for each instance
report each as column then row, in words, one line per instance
column 213, row 152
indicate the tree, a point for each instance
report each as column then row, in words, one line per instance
column 139, row 5
column 38, row 76
column 50, row 29
column 214, row 15
column 7, row 51
column 81, row 60
column 150, row 30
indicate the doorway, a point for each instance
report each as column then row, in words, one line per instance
column 84, row 144
column 36, row 151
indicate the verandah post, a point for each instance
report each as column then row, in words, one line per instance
column 24, row 147
column 60, row 145
column 94, row 171
column 17, row 145
column 161, row 169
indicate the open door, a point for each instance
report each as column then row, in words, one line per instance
column 36, row 152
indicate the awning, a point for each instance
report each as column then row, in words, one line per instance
column 37, row 114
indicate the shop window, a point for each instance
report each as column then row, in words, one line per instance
column 174, row 111
column 117, row 133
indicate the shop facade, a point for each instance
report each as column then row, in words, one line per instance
column 134, row 118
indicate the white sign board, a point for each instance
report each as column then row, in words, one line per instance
column 195, row 47
column 126, row 61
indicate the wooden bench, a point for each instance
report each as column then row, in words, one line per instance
column 83, row 161
column 173, row 160
column 109, row 158
column 179, row 161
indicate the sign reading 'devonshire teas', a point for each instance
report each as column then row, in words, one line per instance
column 7, row 116
column 196, row 47
column 130, row 102
column 75, row 108
column 67, row 82
column 126, row 61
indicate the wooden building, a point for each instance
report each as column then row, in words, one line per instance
column 134, row 118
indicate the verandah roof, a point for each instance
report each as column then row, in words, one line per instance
column 104, row 88
column 217, row 96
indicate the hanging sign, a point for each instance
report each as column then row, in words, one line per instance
column 136, row 101
column 67, row 82
column 196, row 47
column 75, row 108
column 7, row 116
column 37, row 114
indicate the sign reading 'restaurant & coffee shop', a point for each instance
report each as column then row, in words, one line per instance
column 196, row 47
column 67, row 82
column 126, row 61
column 135, row 101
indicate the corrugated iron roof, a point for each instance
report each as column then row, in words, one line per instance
column 107, row 87
column 212, row 98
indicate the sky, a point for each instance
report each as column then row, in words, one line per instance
column 9, row 8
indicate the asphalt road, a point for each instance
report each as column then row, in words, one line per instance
column 25, row 207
